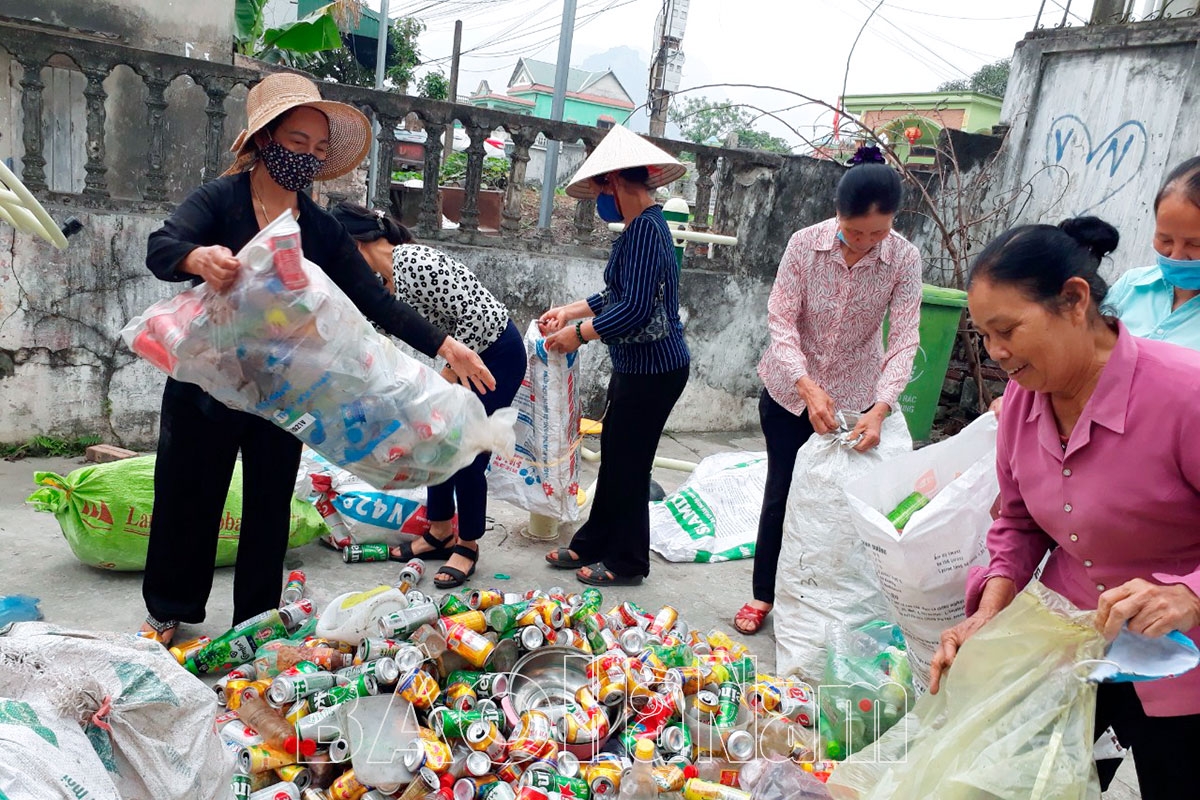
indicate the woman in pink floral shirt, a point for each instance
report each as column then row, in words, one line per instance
column 836, row 282
column 1098, row 456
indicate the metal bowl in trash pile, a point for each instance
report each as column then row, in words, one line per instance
column 548, row 678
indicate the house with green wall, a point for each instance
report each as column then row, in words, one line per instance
column 593, row 98
column 891, row 115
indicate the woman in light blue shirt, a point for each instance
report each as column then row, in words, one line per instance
column 1163, row 301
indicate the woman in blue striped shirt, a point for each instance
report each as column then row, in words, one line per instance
column 637, row 316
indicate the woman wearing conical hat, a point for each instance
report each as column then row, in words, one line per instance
column 637, row 316
column 292, row 138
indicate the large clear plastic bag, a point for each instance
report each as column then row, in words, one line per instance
column 1013, row 720
column 286, row 344
column 866, row 688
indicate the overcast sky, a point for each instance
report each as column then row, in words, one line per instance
column 799, row 45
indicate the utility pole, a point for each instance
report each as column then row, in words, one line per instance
column 668, row 61
column 561, row 72
column 452, row 96
column 373, row 176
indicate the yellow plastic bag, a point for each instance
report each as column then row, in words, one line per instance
column 1013, row 721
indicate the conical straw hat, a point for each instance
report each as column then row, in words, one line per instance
column 622, row 149
column 349, row 130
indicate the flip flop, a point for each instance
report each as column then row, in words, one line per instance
column 562, row 559
column 457, row 576
column 440, row 549
column 752, row 617
column 603, row 576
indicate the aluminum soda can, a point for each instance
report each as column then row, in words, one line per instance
column 362, row 686
column 483, row 599
column 413, row 571
column 510, row 772
column 278, row 791
column 346, row 787
column 429, row 754
column 240, row 733
column 739, row 745
column 460, row 697
column 603, row 777
column 372, row 648
column 240, row 785
column 320, row 726
column 182, row 651
column 289, row 688
column 556, row 783
column 418, row 688
column 385, row 671
column 364, row 553
column 675, row 738
column 764, row 698
column 339, row 751
column 452, row 604
column 473, row 620
column 531, row 637
column 729, row 699
column 401, row 624
column 318, row 794
column 504, row 617
column 293, row 590
column 707, row 703
column 663, row 621
column 416, row 597
column 485, row 737
column 568, row 764
column 479, row 763
column 470, row 645
column 633, row 640
column 527, row 792
column 297, row 774
column 499, row 790
column 472, row 786
column 262, row 758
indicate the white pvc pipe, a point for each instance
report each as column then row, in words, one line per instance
column 685, row 236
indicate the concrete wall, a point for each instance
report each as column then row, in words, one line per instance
column 180, row 27
column 1099, row 115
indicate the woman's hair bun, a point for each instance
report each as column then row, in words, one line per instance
column 1096, row 235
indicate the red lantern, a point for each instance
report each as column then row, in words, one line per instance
column 912, row 133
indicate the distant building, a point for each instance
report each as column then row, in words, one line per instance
column 593, row 98
column 895, row 116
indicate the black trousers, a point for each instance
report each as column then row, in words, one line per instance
column 1163, row 747
column 785, row 434
column 198, row 443
column 618, row 530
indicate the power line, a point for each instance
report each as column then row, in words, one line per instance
column 917, row 41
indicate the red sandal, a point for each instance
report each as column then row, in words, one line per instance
column 752, row 619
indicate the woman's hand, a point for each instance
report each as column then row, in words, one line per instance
column 553, row 320
column 867, row 433
column 821, row 411
column 998, row 593
column 448, row 374
column 215, row 264
column 565, row 341
column 1150, row 609
column 466, row 366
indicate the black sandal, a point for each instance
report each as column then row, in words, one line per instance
column 562, row 559
column 457, row 576
column 603, row 576
column 440, row 550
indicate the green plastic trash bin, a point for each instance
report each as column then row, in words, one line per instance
column 941, row 310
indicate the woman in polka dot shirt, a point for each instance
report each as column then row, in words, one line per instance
column 449, row 296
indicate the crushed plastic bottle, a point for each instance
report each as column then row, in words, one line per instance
column 19, row 608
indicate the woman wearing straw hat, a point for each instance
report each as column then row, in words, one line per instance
column 637, row 316
column 292, row 138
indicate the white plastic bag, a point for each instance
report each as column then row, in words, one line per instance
column 366, row 514
column 43, row 757
column 713, row 516
column 148, row 721
column 823, row 575
column 286, row 344
column 923, row 571
column 542, row 475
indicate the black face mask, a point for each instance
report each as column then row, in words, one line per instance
column 292, row 171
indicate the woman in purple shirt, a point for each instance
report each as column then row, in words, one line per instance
column 1098, row 456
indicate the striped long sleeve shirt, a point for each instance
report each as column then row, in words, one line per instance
column 642, row 260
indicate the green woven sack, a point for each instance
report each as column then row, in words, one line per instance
column 104, row 511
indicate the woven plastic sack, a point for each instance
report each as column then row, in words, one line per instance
column 922, row 571
column 1013, row 720
column 823, row 573
column 285, row 343
column 104, row 511
column 44, row 758
column 713, row 516
column 148, row 721
column 542, row 475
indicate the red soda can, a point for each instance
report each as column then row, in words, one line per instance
column 288, row 257
column 527, row 792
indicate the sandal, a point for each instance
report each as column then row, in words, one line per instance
column 457, row 576
column 750, row 617
column 603, row 576
column 562, row 559
column 440, row 550
column 161, row 632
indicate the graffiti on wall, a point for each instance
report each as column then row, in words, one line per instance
column 1101, row 165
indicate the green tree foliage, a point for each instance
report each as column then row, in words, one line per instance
column 989, row 79
column 293, row 43
column 434, row 86
column 701, row 120
column 404, row 56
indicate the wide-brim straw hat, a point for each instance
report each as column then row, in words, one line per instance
column 349, row 130
column 622, row 149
